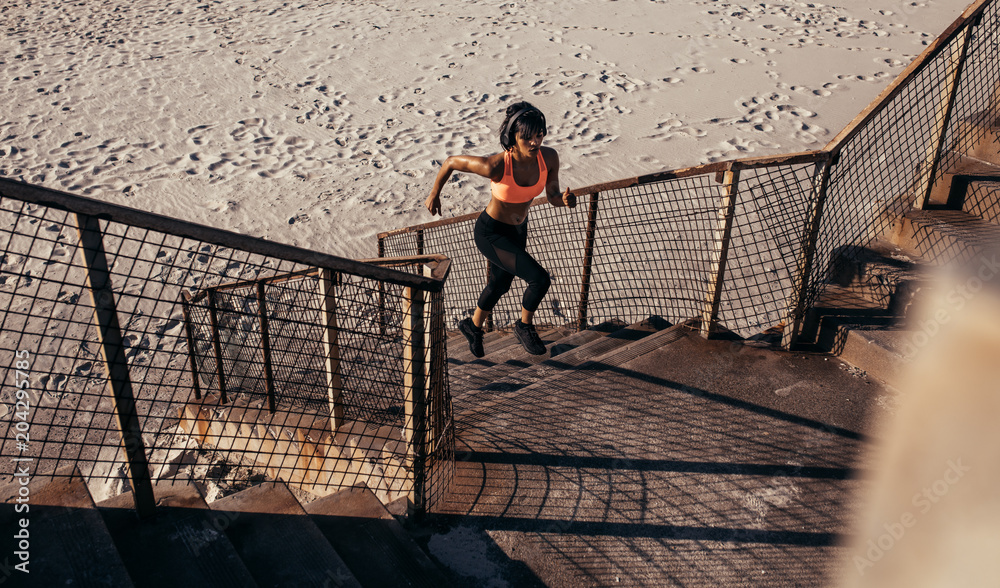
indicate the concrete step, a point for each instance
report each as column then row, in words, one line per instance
column 944, row 237
column 302, row 449
column 883, row 273
column 481, row 404
column 876, row 346
column 67, row 542
column 954, row 179
column 569, row 352
column 860, row 332
column 277, row 541
column 375, row 547
column 978, row 136
column 506, row 355
column 180, row 546
column 982, row 199
column 496, row 344
column 458, row 347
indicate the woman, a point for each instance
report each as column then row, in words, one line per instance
column 522, row 171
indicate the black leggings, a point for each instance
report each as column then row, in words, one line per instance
column 504, row 246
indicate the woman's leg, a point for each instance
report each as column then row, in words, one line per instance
column 497, row 285
column 479, row 317
column 504, row 246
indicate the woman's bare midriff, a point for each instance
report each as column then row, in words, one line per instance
column 506, row 212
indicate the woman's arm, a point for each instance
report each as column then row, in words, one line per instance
column 481, row 166
column 552, row 184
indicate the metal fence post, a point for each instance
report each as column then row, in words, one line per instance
column 192, row 354
column 588, row 259
column 929, row 166
column 796, row 308
column 220, row 370
column 331, row 347
column 436, row 389
column 415, row 392
column 723, row 232
column 265, row 344
column 113, row 349
column 383, row 319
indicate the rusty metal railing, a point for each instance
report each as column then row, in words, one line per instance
column 145, row 341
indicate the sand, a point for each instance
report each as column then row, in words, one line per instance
column 321, row 124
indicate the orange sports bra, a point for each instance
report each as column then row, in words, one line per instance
column 508, row 190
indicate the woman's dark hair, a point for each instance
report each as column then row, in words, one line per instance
column 522, row 120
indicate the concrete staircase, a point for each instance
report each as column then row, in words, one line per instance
column 628, row 454
column 874, row 313
column 261, row 536
column 627, row 449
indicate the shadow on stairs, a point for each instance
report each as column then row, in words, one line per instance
column 645, row 455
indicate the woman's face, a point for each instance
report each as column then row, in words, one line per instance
column 530, row 145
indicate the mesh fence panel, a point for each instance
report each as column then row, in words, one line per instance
column 651, row 252
column 268, row 321
column 768, row 236
column 49, row 325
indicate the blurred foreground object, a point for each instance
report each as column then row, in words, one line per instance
column 933, row 517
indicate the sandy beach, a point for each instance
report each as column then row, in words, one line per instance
column 322, row 124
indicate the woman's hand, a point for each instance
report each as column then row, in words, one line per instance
column 569, row 199
column 433, row 204
column 464, row 163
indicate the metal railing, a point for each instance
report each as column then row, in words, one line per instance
column 744, row 244
column 141, row 346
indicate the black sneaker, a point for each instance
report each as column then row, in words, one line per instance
column 529, row 338
column 475, row 336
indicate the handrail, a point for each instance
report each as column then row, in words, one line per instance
column 155, row 222
column 439, row 264
column 687, row 172
column 971, row 15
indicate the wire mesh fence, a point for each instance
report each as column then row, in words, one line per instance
column 264, row 365
column 628, row 253
column 769, row 237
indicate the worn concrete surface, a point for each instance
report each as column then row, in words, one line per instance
column 698, row 463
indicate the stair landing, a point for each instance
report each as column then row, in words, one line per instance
column 669, row 461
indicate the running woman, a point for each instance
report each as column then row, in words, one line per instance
column 517, row 175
